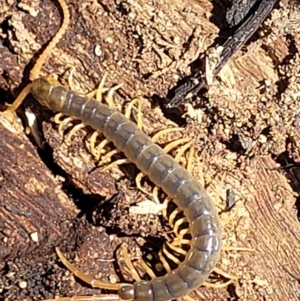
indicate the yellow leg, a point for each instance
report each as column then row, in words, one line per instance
column 92, row 143
column 181, row 235
column 155, row 195
column 129, row 264
column 62, row 124
column 107, row 157
column 196, row 158
column 140, row 114
column 224, row 274
column 138, row 183
column 110, row 93
column 176, row 249
column 57, row 119
column 73, row 131
column 98, row 93
column 182, row 150
column 53, row 79
column 179, row 241
column 175, row 143
column 115, row 163
column 95, row 283
column 173, row 216
column 190, row 160
column 169, row 255
column 165, row 208
column 98, row 150
column 163, row 132
column 217, row 285
column 163, row 261
column 147, row 269
column 129, row 108
column 100, row 90
column 233, row 248
column 71, row 81
column 178, row 223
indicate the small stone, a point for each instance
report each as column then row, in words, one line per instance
column 34, row 236
column 109, row 40
column 10, row 274
column 22, row 284
column 98, row 50
column 113, row 279
column 262, row 139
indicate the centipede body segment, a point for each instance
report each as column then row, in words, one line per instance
column 163, row 171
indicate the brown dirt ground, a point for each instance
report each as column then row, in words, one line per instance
column 245, row 136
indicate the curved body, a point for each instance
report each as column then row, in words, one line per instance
column 165, row 172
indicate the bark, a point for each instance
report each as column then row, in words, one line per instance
column 245, row 128
column 34, row 209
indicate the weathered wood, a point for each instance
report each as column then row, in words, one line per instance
column 34, row 211
column 247, row 122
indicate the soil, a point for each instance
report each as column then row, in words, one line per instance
column 243, row 136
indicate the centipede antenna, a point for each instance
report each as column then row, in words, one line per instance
column 44, row 56
column 20, row 98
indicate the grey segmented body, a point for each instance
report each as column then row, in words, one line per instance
column 164, row 171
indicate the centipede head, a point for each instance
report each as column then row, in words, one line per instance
column 40, row 89
column 43, row 92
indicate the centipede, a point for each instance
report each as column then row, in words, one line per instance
column 162, row 169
